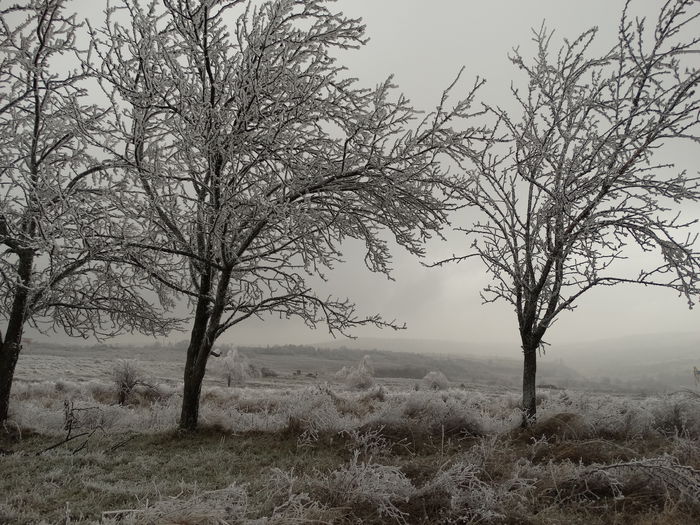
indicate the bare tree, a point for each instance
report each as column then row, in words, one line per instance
column 568, row 189
column 255, row 156
column 55, row 265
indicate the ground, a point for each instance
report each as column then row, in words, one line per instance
column 303, row 449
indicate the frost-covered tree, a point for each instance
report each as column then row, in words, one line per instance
column 235, row 367
column 568, row 186
column 57, row 264
column 253, row 156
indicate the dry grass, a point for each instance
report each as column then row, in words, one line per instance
column 333, row 455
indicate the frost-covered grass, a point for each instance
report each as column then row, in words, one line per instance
column 332, row 454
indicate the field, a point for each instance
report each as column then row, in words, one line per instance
column 299, row 449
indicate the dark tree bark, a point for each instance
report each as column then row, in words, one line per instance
column 12, row 344
column 194, row 375
column 204, row 333
column 194, row 369
column 122, row 397
column 529, row 392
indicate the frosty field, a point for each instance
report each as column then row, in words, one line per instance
column 297, row 449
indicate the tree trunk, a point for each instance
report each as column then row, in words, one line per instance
column 122, row 396
column 190, row 398
column 9, row 353
column 204, row 333
column 12, row 345
column 194, row 373
column 529, row 378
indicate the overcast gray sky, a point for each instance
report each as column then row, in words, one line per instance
column 424, row 44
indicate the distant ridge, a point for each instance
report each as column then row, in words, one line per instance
column 425, row 346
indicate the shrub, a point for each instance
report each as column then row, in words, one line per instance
column 126, row 374
column 236, row 368
column 436, row 380
column 360, row 377
column 360, row 380
column 226, row 505
column 371, row 487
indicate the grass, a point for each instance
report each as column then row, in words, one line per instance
column 82, row 485
column 328, row 454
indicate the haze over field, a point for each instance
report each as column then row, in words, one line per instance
column 406, row 40
column 209, row 182
column 633, row 363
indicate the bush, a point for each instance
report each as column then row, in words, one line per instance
column 236, row 368
column 436, row 381
column 359, row 380
column 126, row 374
column 360, row 377
column 359, row 485
column 268, row 372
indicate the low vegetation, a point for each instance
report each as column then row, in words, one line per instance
column 329, row 453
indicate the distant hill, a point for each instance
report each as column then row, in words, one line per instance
column 663, row 360
column 324, row 362
column 425, row 346
column 657, row 362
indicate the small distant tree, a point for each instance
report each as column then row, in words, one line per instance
column 568, row 188
column 365, row 365
column 436, row 380
column 236, row 368
column 343, row 372
column 253, row 156
column 126, row 375
column 59, row 268
column 361, row 376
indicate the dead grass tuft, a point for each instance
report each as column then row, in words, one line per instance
column 559, row 427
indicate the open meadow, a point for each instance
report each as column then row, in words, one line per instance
column 269, row 171
column 302, row 449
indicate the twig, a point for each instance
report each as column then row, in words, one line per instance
column 63, row 442
column 121, row 443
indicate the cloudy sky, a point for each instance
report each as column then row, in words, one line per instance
column 424, row 44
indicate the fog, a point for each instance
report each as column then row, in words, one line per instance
column 424, row 45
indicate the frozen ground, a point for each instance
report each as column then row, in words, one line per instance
column 298, row 449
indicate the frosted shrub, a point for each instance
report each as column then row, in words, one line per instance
column 686, row 449
column 236, row 368
column 359, row 380
column 360, row 377
column 676, row 414
column 470, row 498
column 343, row 373
column 41, row 389
column 126, row 374
column 370, row 443
column 622, row 419
column 665, row 470
column 429, row 411
column 313, row 412
column 360, row 485
column 227, row 505
column 365, row 366
column 436, row 380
